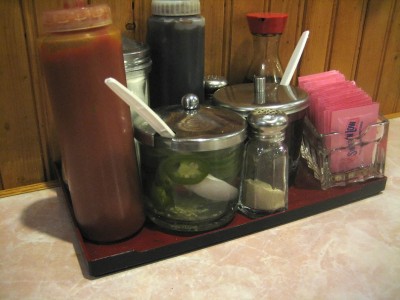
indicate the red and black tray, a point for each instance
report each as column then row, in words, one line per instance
column 152, row 244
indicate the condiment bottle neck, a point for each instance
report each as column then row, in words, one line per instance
column 266, row 45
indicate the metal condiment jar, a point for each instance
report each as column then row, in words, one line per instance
column 191, row 182
column 244, row 98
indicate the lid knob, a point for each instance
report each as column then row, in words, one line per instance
column 190, row 102
column 259, row 89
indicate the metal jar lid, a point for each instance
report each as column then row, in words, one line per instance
column 196, row 127
column 136, row 55
column 244, row 98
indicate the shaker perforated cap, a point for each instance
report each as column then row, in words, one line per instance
column 268, row 122
column 76, row 18
column 266, row 23
column 175, row 7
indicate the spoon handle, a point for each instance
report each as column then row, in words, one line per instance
column 140, row 107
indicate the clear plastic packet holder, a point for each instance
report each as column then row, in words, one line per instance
column 315, row 151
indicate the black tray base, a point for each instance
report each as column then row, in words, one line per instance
column 152, row 244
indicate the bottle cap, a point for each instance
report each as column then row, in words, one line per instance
column 266, row 23
column 136, row 54
column 175, row 7
column 76, row 18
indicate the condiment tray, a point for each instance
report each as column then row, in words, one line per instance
column 152, row 244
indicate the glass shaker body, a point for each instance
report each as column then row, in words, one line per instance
column 176, row 43
column 264, row 187
column 266, row 29
column 94, row 129
column 137, row 63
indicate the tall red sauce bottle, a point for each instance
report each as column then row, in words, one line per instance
column 80, row 50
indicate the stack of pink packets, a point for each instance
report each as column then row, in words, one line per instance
column 339, row 106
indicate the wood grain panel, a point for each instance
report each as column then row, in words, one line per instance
column 31, row 19
column 141, row 12
column 372, row 49
column 214, row 14
column 318, row 20
column 388, row 94
column 20, row 151
column 293, row 29
column 347, row 36
column 241, row 42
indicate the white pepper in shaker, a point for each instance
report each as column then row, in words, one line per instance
column 264, row 187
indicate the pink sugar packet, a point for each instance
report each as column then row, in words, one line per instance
column 350, row 148
column 328, row 75
column 326, row 115
column 315, row 88
column 331, row 96
column 343, row 101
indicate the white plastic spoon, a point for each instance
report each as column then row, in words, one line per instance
column 141, row 108
column 294, row 59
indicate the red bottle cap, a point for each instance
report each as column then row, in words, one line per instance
column 266, row 23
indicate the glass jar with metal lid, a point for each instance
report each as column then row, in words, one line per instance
column 137, row 63
column 191, row 181
column 244, row 98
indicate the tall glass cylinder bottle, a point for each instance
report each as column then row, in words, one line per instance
column 94, row 126
column 266, row 29
column 176, row 38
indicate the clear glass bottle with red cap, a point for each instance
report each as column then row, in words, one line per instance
column 266, row 29
column 81, row 48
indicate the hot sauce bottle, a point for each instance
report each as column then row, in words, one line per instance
column 94, row 126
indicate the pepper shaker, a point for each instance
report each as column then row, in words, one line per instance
column 264, row 185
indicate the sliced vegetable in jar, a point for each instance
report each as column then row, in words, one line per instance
column 161, row 196
column 184, row 169
column 224, row 164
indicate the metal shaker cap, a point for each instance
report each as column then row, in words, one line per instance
column 136, row 55
column 212, row 83
column 267, row 122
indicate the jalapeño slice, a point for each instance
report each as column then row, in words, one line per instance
column 184, row 169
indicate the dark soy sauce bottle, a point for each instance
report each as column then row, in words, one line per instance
column 176, row 38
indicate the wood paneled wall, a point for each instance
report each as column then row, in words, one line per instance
column 361, row 38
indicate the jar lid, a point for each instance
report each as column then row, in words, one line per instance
column 196, row 127
column 243, row 98
column 136, row 55
column 175, row 7
column 266, row 23
column 76, row 18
